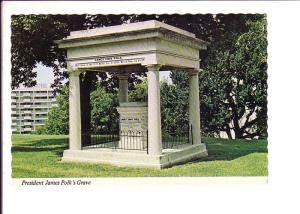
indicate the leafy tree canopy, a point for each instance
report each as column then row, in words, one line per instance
column 104, row 115
column 174, row 104
column 233, row 85
column 58, row 117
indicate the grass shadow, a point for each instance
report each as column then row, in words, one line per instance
column 224, row 149
column 55, row 145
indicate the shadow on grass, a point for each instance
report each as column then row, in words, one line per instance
column 44, row 145
column 223, row 149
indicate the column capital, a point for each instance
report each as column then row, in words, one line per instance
column 153, row 67
column 74, row 72
column 122, row 76
column 194, row 71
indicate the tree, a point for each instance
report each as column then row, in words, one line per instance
column 32, row 42
column 174, row 105
column 58, row 117
column 140, row 92
column 104, row 115
column 234, row 97
column 180, row 78
column 174, row 108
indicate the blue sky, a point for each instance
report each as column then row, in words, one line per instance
column 45, row 74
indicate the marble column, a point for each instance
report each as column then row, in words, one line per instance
column 123, row 88
column 154, row 115
column 74, row 111
column 194, row 106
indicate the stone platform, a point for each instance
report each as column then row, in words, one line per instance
column 119, row 157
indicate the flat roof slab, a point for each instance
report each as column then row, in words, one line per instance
column 138, row 26
column 142, row 43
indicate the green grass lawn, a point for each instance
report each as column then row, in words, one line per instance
column 37, row 156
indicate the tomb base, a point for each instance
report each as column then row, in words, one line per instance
column 168, row 158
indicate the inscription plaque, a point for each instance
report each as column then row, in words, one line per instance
column 133, row 125
column 108, row 61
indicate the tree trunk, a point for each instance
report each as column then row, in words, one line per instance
column 228, row 132
column 238, row 132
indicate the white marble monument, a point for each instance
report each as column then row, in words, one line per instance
column 133, row 125
column 150, row 47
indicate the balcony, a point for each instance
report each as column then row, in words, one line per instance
column 27, row 129
column 41, row 100
column 41, row 111
column 41, row 95
column 41, row 118
column 26, row 106
column 26, row 95
column 14, row 106
column 26, row 124
column 27, row 118
column 40, row 106
column 25, row 100
column 39, row 124
column 27, row 112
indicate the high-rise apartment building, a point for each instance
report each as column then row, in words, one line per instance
column 30, row 108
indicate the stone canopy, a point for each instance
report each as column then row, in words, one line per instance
column 149, row 47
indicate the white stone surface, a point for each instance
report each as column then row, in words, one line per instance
column 137, row 158
column 74, row 111
column 138, row 26
column 142, row 43
column 123, row 88
column 154, row 114
column 133, row 125
column 194, row 106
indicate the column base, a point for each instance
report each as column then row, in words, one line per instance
column 123, row 158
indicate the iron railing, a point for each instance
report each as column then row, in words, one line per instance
column 96, row 140
column 134, row 140
column 126, row 140
column 176, row 139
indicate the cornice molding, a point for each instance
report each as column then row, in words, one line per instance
column 133, row 35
